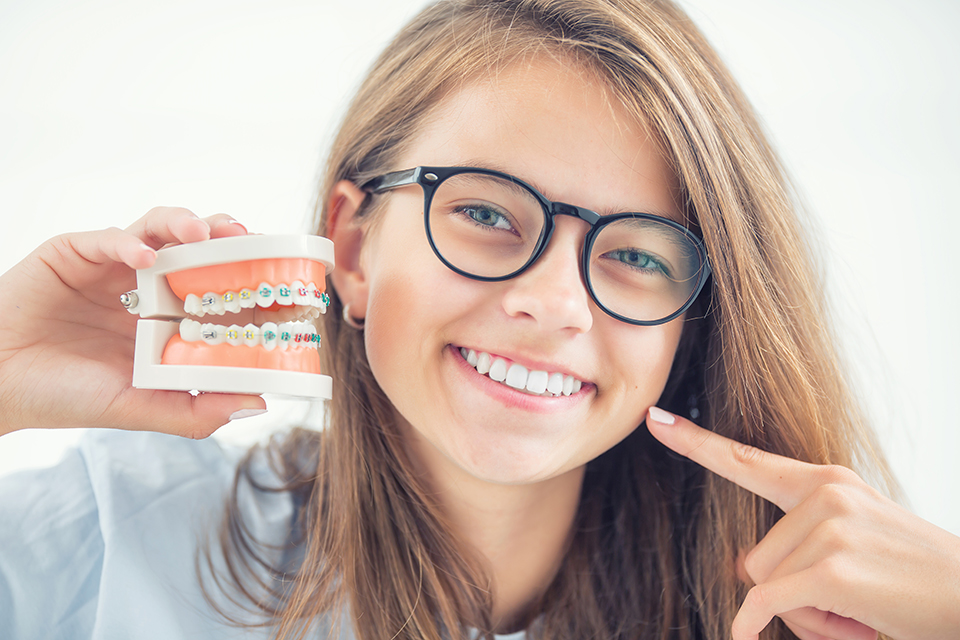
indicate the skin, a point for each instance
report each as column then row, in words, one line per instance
column 844, row 562
column 508, row 466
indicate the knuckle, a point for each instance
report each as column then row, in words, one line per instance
column 832, row 569
column 837, row 474
column 832, row 536
column 745, row 455
column 752, row 563
column 836, row 499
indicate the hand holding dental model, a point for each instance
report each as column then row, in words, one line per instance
column 67, row 344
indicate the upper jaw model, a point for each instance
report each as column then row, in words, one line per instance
column 233, row 315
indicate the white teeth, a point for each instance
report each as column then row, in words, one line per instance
column 516, row 376
column 483, row 362
column 297, row 301
column 212, row 333
column 519, row 377
column 537, row 381
column 284, row 335
column 235, row 335
column 498, row 370
column 248, row 298
column 268, row 333
column 284, row 295
column 288, row 335
column 231, row 302
column 251, row 335
column 212, row 303
column 555, row 384
column 192, row 306
column 300, row 294
column 265, row 295
column 189, row 329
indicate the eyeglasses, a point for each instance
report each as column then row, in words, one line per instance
column 487, row 225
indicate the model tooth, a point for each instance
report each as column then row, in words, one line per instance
column 536, row 381
column 212, row 333
column 231, row 302
column 284, row 295
column 268, row 334
column 568, row 385
column 265, row 295
column 234, row 335
column 516, row 376
column 189, row 329
column 251, row 335
column 555, row 384
column 313, row 295
column 285, row 332
column 192, row 305
column 248, row 298
column 212, row 303
column 301, row 296
column 498, row 369
column 483, row 362
column 311, row 337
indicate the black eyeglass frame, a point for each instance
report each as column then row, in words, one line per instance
column 429, row 178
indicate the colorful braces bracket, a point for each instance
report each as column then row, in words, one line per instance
column 273, row 286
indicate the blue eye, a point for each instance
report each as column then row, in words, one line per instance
column 486, row 216
column 639, row 260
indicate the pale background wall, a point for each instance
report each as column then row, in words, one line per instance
column 108, row 108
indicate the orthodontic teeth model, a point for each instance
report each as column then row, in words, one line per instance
column 270, row 287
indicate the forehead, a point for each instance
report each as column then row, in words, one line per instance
column 553, row 124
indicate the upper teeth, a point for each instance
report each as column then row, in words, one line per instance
column 519, row 377
column 263, row 296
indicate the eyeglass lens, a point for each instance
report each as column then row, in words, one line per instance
column 638, row 268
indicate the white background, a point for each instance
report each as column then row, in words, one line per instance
column 109, row 108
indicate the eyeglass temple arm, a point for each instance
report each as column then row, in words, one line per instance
column 393, row 180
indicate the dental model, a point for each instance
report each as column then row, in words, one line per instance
column 252, row 299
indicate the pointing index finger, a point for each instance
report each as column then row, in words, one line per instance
column 783, row 481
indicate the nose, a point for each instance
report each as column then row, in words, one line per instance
column 551, row 291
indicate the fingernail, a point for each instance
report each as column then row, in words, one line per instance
column 659, row 415
column 246, row 413
column 239, row 225
column 146, row 247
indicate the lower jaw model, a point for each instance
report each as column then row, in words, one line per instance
column 233, row 315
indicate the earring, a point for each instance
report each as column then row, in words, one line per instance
column 350, row 320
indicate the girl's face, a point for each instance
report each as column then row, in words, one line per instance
column 551, row 126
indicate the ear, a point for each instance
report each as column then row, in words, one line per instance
column 346, row 232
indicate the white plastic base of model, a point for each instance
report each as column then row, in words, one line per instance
column 149, row 373
column 157, row 300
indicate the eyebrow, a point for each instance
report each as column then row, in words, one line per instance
column 609, row 211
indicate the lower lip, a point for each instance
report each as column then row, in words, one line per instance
column 510, row 396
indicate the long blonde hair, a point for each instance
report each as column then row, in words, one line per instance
column 652, row 554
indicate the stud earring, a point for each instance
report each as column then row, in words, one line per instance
column 350, row 320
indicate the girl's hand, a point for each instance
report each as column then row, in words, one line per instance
column 66, row 342
column 844, row 562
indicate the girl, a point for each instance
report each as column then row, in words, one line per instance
column 554, row 221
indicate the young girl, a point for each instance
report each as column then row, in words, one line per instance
column 562, row 244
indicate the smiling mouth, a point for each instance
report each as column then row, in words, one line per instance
column 518, row 377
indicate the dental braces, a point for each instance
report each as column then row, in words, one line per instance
column 164, row 315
